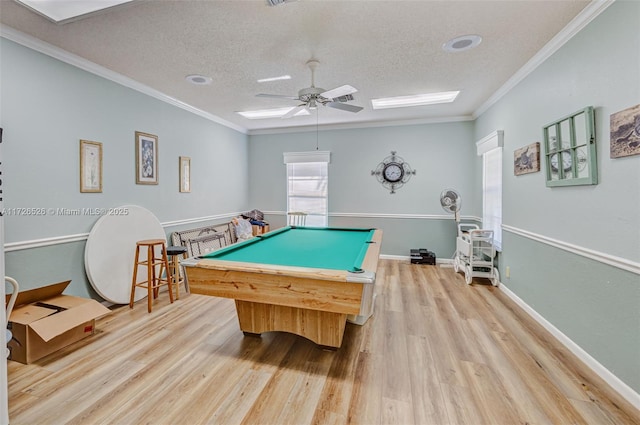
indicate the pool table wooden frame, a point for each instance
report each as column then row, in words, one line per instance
column 310, row 302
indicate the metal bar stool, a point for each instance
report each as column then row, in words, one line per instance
column 154, row 280
column 174, row 268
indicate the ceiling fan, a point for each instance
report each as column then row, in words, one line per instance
column 312, row 96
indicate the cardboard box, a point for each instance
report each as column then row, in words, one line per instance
column 259, row 230
column 43, row 321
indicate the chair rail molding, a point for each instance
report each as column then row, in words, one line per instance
column 57, row 240
column 612, row 260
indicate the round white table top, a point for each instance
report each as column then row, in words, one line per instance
column 110, row 251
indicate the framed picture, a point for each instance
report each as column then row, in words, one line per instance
column 185, row 174
column 527, row 159
column 570, row 154
column 90, row 167
column 146, row 158
column 625, row 132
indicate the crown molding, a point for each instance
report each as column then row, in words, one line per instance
column 582, row 19
column 86, row 65
column 589, row 13
column 368, row 124
column 79, row 62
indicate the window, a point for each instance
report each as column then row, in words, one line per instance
column 492, row 194
column 307, row 185
column 491, row 150
column 570, row 150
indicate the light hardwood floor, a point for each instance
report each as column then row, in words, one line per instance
column 436, row 351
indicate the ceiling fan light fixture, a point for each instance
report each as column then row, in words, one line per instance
column 312, row 97
column 462, row 43
column 270, row 113
column 198, row 80
column 414, row 100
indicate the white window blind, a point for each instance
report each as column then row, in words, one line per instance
column 307, row 185
column 490, row 147
column 492, row 194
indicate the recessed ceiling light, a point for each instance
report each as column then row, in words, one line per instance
column 414, row 100
column 462, row 43
column 270, row 113
column 199, row 80
column 282, row 77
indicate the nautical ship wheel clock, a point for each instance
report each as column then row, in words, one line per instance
column 393, row 172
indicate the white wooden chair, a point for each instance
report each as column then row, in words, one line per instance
column 297, row 218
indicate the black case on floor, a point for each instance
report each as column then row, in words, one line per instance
column 422, row 256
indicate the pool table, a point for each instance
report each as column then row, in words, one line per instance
column 303, row 280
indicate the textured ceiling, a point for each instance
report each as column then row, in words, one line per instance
column 382, row 48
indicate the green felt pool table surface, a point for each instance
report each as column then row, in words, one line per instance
column 312, row 247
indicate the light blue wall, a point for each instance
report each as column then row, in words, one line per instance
column 47, row 106
column 443, row 156
column 600, row 67
column 594, row 304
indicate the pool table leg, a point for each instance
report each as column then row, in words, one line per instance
column 325, row 328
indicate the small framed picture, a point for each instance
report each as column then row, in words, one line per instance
column 185, row 174
column 90, row 167
column 146, row 158
column 625, row 132
column 526, row 159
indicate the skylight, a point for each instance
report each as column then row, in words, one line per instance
column 61, row 11
column 414, row 100
column 282, row 77
column 270, row 113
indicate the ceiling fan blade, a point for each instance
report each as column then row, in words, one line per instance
column 344, row 106
column 277, row 96
column 294, row 111
column 338, row 91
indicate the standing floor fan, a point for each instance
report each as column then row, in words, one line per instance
column 451, row 203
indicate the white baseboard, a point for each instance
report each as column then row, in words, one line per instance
column 618, row 385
